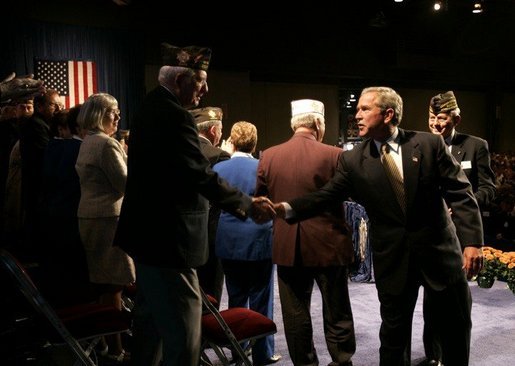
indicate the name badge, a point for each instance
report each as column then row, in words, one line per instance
column 466, row 164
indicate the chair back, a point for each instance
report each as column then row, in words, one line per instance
column 31, row 293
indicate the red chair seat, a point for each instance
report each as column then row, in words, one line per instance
column 86, row 319
column 244, row 323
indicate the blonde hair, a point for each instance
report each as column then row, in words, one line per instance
column 94, row 109
column 244, row 136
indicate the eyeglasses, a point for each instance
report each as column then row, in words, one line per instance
column 113, row 112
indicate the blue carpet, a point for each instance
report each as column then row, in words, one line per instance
column 493, row 332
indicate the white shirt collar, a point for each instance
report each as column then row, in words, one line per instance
column 449, row 138
column 392, row 141
column 242, row 154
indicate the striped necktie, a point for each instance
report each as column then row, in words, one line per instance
column 394, row 175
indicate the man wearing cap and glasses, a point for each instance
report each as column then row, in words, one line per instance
column 209, row 125
column 316, row 250
column 472, row 154
column 406, row 180
column 167, row 248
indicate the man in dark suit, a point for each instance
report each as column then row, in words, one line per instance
column 472, row 154
column 34, row 137
column 209, row 125
column 407, row 190
column 163, row 229
column 318, row 249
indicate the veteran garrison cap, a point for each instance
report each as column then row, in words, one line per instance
column 306, row 106
column 193, row 57
column 443, row 103
column 207, row 114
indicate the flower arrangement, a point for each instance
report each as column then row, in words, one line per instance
column 497, row 265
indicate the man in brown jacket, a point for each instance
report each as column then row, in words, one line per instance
column 318, row 249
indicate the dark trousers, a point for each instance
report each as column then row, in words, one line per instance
column 295, row 289
column 167, row 312
column 449, row 314
column 211, row 276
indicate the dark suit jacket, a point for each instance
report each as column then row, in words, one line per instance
column 34, row 138
column 294, row 168
column 160, row 225
column 212, row 153
column 425, row 240
column 473, row 155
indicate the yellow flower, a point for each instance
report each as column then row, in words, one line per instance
column 499, row 265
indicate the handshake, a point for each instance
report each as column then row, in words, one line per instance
column 263, row 210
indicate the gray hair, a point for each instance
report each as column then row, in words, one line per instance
column 306, row 120
column 455, row 112
column 168, row 74
column 94, row 109
column 387, row 98
column 205, row 126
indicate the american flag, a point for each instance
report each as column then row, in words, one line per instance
column 74, row 80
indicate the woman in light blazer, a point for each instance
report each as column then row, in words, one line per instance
column 102, row 169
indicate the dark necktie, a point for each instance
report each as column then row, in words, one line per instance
column 393, row 175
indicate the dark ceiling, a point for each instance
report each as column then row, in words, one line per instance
column 321, row 42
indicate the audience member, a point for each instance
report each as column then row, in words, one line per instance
column 59, row 125
column 406, row 181
column 168, row 247
column 12, row 213
column 316, row 250
column 500, row 224
column 34, row 137
column 10, row 119
column 473, row 155
column 123, row 137
column 66, row 281
column 102, row 169
column 245, row 248
column 209, row 126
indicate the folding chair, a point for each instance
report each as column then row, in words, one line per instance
column 79, row 327
column 235, row 328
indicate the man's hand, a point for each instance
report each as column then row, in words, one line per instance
column 21, row 87
column 262, row 210
column 227, row 146
column 472, row 261
column 280, row 210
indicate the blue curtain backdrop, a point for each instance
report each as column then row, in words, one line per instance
column 119, row 56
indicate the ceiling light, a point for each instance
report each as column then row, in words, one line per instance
column 477, row 7
column 437, row 5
